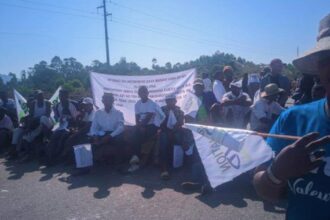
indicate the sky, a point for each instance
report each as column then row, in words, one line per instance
column 170, row 31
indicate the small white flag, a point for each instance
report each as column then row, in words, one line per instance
column 227, row 153
column 21, row 105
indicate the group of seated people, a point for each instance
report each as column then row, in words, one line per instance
column 49, row 131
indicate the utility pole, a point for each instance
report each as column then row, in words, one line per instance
column 298, row 51
column 105, row 15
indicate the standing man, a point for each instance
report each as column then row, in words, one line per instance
column 300, row 171
column 207, row 83
column 275, row 76
column 218, row 88
column 228, row 73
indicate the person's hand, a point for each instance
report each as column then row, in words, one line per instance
column 295, row 160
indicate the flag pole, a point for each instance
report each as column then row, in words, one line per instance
column 279, row 136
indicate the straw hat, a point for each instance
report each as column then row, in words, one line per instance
column 270, row 90
column 308, row 63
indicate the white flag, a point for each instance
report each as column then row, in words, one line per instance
column 191, row 104
column 227, row 153
column 21, row 105
column 54, row 100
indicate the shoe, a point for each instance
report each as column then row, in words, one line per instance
column 192, row 186
column 165, row 175
column 133, row 168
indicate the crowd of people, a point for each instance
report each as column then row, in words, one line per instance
column 255, row 102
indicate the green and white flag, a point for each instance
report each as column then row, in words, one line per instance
column 21, row 105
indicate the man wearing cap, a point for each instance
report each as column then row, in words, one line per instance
column 206, row 100
column 83, row 125
column 218, row 87
column 172, row 133
column 266, row 110
column 236, row 106
column 275, row 76
column 300, row 170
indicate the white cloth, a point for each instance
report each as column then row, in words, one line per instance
column 6, row 123
column 207, row 85
column 224, row 160
column 142, row 109
column 107, row 122
column 263, row 109
column 218, row 90
column 239, row 112
column 171, row 121
column 256, row 96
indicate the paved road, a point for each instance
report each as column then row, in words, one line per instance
column 28, row 191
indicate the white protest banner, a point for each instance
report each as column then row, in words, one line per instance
column 124, row 88
column 227, row 153
column 21, row 105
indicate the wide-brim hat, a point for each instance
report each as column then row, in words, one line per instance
column 270, row 90
column 308, row 63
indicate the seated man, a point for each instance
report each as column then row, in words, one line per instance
column 83, row 125
column 39, row 123
column 206, row 100
column 148, row 117
column 65, row 113
column 9, row 105
column 107, row 131
column 266, row 110
column 236, row 106
column 172, row 133
column 6, row 129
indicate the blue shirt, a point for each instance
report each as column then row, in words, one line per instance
column 309, row 195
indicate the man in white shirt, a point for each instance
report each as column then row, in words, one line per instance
column 6, row 129
column 236, row 105
column 218, row 87
column 266, row 110
column 148, row 117
column 207, row 83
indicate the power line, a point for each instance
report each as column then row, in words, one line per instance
column 49, row 11
column 58, row 6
